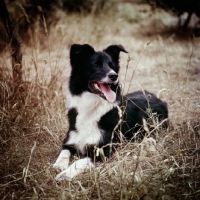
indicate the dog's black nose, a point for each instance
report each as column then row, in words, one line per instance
column 113, row 76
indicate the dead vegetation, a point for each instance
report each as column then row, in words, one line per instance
column 33, row 122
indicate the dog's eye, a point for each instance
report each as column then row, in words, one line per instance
column 96, row 66
column 110, row 65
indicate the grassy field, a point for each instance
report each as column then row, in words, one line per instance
column 163, row 59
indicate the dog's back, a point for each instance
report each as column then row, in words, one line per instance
column 140, row 106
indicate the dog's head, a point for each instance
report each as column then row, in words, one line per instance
column 96, row 72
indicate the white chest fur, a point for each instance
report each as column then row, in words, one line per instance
column 90, row 108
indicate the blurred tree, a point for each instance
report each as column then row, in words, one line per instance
column 179, row 7
column 29, row 14
column 13, row 39
column 68, row 5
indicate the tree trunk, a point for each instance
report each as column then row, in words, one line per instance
column 14, row 40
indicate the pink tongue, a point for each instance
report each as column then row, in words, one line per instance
column 108, row 93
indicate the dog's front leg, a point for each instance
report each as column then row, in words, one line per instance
column 62, row 161
column 74, row 169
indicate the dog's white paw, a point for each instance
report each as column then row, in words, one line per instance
column 76, row 168
column 62, row 161
column 61, row 165
column 64, row 175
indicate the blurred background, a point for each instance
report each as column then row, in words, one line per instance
column 180, row 16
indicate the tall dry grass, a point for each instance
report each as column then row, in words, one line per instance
column 33, row 122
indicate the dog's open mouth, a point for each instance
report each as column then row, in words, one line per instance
column 103, row 90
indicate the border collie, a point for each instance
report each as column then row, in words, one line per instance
column 94, row 113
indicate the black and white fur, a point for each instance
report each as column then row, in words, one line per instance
column 93, row 108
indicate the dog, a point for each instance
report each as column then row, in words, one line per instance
column 96, row 108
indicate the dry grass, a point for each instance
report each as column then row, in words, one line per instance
column 33, row 121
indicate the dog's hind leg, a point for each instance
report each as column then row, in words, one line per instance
column 62, row 161
column 76, row 168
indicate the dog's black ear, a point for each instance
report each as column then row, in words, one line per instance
column 79, row 53
column 114, row 50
